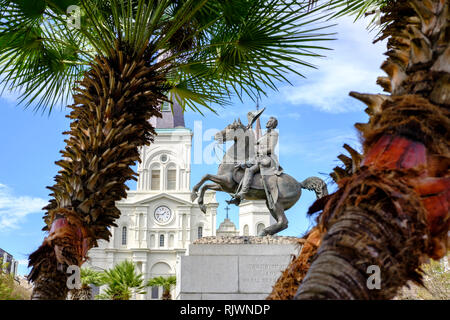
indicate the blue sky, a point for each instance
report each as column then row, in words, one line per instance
column 316, row 117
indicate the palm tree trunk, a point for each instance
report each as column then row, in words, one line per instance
column 166, row 295
column 287, row 284
column 392, row 212
column 85, row 293
column 110, row 122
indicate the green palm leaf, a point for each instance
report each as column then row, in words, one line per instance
column 215, row 50
column 122, row 281
column 357, row 8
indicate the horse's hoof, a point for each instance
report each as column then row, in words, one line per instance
column 203, row 208
column 194, row 196
column 235, row 201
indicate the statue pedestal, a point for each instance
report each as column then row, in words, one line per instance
column 233, row 268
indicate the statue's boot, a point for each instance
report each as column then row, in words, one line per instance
column 246, row 183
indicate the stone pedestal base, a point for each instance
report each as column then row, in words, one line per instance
column 235, row 268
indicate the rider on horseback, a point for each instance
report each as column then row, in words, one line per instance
column 281, row 191
column 265, row 162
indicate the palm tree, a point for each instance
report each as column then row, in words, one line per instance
column 119, row 64
column 165, row 283
column 391, row 208
column 88, row 277
column 122, row 281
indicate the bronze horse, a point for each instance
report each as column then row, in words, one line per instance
column 284, row 189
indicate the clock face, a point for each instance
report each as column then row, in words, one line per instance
column 162, row 214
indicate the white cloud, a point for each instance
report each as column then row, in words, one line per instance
column 14, row 209
column 293, row 115
column 10, row 96
column 23, row 262
column 353, row 65
column 319, row 146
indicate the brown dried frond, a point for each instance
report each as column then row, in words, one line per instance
column 287, row 284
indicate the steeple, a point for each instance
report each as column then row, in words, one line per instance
column 258, row 132
column 227, row 228
column 169, row 120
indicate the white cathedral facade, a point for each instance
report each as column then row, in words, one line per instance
column 158, row 220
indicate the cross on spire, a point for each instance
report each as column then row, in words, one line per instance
column 227, row 209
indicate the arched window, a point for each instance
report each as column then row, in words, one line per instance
column 200, row 232
column 171, row 178
column 124, row 236
column 246, row 231
column 161, row 240
column 260, row 227
column 156, row 178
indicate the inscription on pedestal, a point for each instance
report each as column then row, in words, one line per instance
column 240, row 271
column 258, row 274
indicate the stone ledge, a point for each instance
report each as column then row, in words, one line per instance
column 249, row 240
column 223, row 296
column 227, row 249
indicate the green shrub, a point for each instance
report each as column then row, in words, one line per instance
column 9, row 288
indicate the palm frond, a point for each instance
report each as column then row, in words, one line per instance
column 166, row 282
column 89, row 276
column 262, row 44
column 38, row 56
column 216, row 49
column 121, row 280
column 357, row 8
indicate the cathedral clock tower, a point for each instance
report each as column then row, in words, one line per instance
column 158, row 220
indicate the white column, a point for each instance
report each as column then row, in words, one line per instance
column 162, row 178
column 166, row 240
column 144, row 273
column 213, row 221
column 188, row 228
column 188, row 166
column 178, row 180
column 180, row 230
column 13, row 267
column 139, row 184
column 139, row 228
column 145, row 180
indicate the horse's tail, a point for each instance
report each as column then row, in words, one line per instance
column 315, row 184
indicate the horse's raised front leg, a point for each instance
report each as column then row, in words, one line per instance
column 209, row 186
column 217, row 179
column 281, row 224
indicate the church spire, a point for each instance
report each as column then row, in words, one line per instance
column 258, row 132
column 169, row 119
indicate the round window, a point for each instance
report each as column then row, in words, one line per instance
column 163, row 158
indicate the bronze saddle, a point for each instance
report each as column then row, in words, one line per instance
column 271, row 182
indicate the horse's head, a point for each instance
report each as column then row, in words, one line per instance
column 233, row 131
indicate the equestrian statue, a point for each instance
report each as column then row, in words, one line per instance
column 250, row 171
